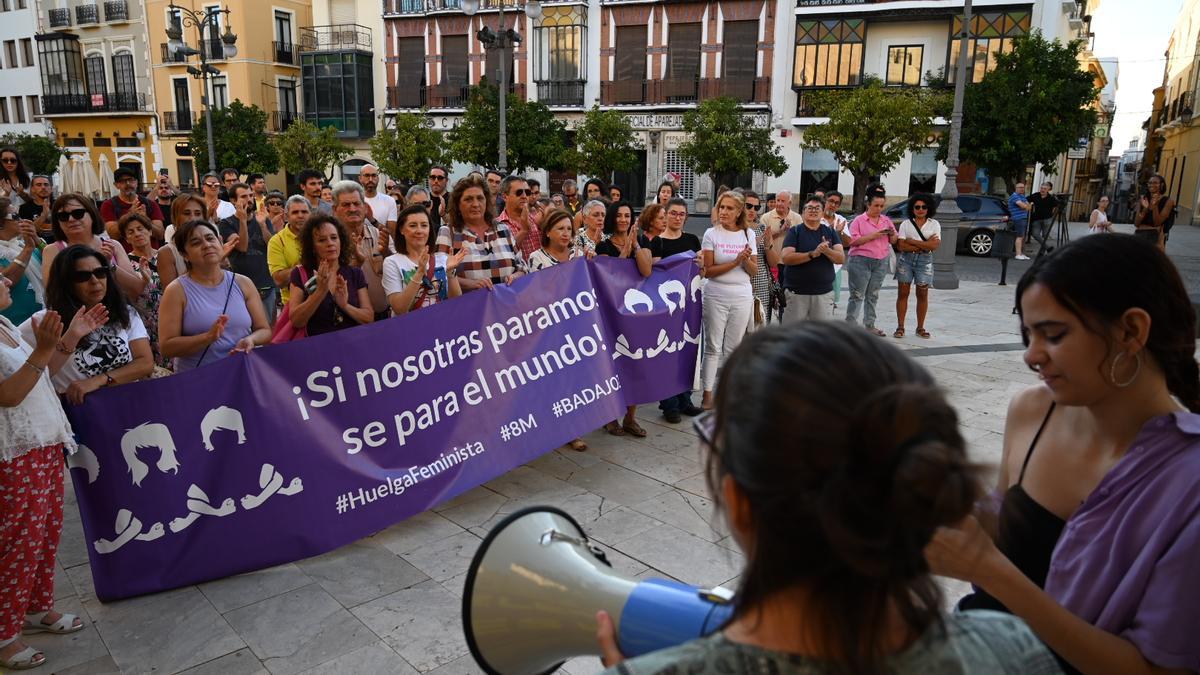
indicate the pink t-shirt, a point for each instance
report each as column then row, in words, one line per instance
column 876, row 248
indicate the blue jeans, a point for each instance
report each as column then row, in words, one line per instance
column 677, row 402
column 866, row 278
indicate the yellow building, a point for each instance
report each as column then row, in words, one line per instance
column 1177, row 126
column 96, row 89
column 265, row 71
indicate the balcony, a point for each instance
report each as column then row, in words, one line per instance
column 70, row 104
column 213, row 48
column 87, row 14
column 561, row 92
column 403, row 7
column 338, row 37
column 286, row 52
column 623, row 92
column 804, row 102
column 60, row 18
column 406, row 96
column 677, row 90
column 744, row 90
column 448, row 95
column 116, row 10
column 280, row 120
column 1185, row 106
column 178, row 122
column 168, row 57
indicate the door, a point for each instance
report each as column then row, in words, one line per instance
column 183, row 104
column 633, row 183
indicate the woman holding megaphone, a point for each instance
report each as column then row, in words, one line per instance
column 833, row 508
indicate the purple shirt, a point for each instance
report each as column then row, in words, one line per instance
column 876, row 248
column 1128, row 561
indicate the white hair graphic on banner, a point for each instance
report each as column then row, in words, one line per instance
column 222, row 418
column 85, row 459
column 148, row 435
column 674, row 295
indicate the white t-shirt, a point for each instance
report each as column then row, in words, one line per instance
column 105, row 349
column 726, row 246
column 225, row 209
column 908, row 230
column 383, row 208
column 398, row 271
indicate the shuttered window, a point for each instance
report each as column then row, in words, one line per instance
column 454, row 59
column 631, row 53
column 739, row 57
column 683, row 51
column 410, row 66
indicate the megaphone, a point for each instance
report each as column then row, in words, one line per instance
column 536, row 583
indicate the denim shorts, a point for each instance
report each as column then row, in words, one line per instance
column 912, row 266
column 1019, row 227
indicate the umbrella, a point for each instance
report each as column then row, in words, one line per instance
column 107, row 189
column 75, row 172
column 91, row 182
column 61, row 176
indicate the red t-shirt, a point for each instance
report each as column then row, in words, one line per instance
column 113, row 209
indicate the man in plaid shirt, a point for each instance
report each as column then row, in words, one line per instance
column 516, row 215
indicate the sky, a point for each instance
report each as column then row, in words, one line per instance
column 1136, row 32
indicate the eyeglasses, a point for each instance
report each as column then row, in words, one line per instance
column 420, row 203
column 83, row 276
column 436, row 177
column 812, row 207
column 64, row 216
column 368, row 175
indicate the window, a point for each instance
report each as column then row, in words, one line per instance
column 22, row 4
column 561, row 45
column 818, row 171
column 829, row 53
column 739, row 58
column 26, row 52
column 337, row 90
column 124, row 81
column 185, row 172
column 454, row 60
column 6, row 6
column 631, row 53
column 683, row 50
column 283, row 27
column 10, row 53
column 904, row 65
column 35, row 108
column 410, row 70
column 220, row 92
column 63, row 85
column 923, row 176
column 992, row 33
column 287, row 97
column 18, row 110
column 491, row 66
column 96, row 83
column 4, row 109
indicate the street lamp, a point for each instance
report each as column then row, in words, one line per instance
column 949, row 215
column 206, row 21
column 502, row 39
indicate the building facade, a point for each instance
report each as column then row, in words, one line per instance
column 96, row 93
column 1174, row 125
column 21, row 104
column 265, row 71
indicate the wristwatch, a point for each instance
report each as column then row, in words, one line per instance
column 108, row 380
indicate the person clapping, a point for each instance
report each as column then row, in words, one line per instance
column 327, row 292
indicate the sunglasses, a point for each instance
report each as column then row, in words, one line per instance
column 919, row 207
column 83, row 276
column 212, row 185
column 64, row 216
column 752, row 207
column 420, row 203
column 521, row 193
column 9, row 160
column 274, row 202
column 433, row 177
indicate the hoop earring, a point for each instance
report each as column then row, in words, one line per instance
column 1113, row 371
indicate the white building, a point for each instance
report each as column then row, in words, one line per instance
column 20, row 84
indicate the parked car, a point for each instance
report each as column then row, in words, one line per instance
column 982, row 215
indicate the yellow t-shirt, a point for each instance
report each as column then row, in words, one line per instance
column 283, row 253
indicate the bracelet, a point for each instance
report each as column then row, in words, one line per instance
column 18, row 262
column 31, row 364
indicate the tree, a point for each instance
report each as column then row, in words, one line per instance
column 409, row 148
column 240, row 140
column 535, row 137
column 605, row 143
column 871, row 127
column 1029, row 109
column 723, row 143
column 303, row 145
column 39, row 153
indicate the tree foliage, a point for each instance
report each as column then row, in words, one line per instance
column 39, row 153
column 872, row 127
column 605, row 143
column 305, row 146
column 239, row 139
column 721, row 142
column 1029, row 109
column 535, row 136
column 409, row 148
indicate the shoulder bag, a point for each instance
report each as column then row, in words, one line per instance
column 284, row 330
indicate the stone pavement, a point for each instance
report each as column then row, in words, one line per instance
column 390, row 603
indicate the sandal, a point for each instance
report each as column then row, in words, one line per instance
column 24, row 660
column 923, row 333
column 614, row 428
column 899, row 333
column 634, row 429
column 875, row 331
column 65, row 624
column 577, row 445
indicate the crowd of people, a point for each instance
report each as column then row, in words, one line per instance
column 853, row 514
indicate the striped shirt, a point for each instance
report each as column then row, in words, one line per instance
column 491, row 257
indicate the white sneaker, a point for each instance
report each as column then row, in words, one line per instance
column 1021, row 257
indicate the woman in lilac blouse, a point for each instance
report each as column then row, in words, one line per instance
column 1093, row 533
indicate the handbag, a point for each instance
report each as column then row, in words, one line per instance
column 284, row 330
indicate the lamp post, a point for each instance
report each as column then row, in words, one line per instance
column 949, row 215
column 207, row 21
column 503, row 39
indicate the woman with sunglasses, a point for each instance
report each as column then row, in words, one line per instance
column 136, row 230
column 417, row 275
column 106, row 343
column 273, row 213
column 833, row 521
column 21, row 258
column 14, row 177
column 208, row 313
column 917, row 239
column 77, row 221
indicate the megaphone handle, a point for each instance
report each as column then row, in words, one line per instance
column 661, row 613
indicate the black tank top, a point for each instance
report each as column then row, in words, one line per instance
column 1026, row 534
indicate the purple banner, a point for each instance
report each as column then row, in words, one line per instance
column 296, row 449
